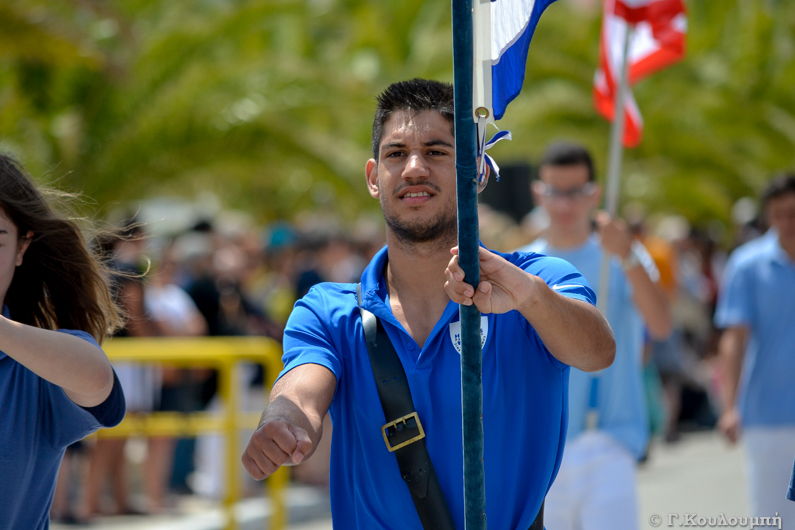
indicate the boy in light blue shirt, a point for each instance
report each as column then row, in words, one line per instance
column 756, row 309
column 608, row 428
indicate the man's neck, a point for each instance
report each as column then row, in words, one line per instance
column 566, row 238
column 415, row 282
column 789, row 247
column 417, row 269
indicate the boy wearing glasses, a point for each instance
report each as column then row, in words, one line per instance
column 607, row 432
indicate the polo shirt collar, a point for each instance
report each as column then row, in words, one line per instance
column 374, row 293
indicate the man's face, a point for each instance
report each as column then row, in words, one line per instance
column 781, row 215
column 12, row 250
column 414, row 177
column 567, row 194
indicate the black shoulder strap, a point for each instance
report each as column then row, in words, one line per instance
column 403, row 432
column 538, row 524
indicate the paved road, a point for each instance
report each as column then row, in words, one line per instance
column 700, row 474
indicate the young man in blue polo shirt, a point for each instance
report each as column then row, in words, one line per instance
column 756, row 310
column 596, row 488
column 538, row 319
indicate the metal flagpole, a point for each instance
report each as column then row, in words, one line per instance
column 614, row 164
column 468, row 243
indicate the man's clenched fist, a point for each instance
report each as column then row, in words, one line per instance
column 275, row 443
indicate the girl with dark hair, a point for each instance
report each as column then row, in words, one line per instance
column 56, row 384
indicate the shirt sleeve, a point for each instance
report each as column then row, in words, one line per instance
column 561, row 276
column 64, row 421
column 308, row 337
column 734, row 301
column 110, row 412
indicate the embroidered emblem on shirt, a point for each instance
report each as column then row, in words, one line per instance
column 455, row 333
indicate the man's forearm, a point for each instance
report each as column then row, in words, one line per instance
column 652, row 303
column 302, row 398
column 574, row 331
column 731, row 350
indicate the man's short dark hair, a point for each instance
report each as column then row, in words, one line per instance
column 415, row 95
column 778, row 187
column 568, row 154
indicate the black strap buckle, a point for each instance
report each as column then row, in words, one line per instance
column 409, row 421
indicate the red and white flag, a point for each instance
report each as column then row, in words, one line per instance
column 657, row 41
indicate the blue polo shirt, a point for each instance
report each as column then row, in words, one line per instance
column 37, row 423
column 524, row 401
column 758, row 292
column 615, row 392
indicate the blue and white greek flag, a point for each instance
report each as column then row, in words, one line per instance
column 502, row 33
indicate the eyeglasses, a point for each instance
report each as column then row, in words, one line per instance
column 573, row 194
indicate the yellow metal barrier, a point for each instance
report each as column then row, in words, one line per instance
column 221, row 353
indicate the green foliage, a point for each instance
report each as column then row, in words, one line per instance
column 717, row 125
column 268, row 103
